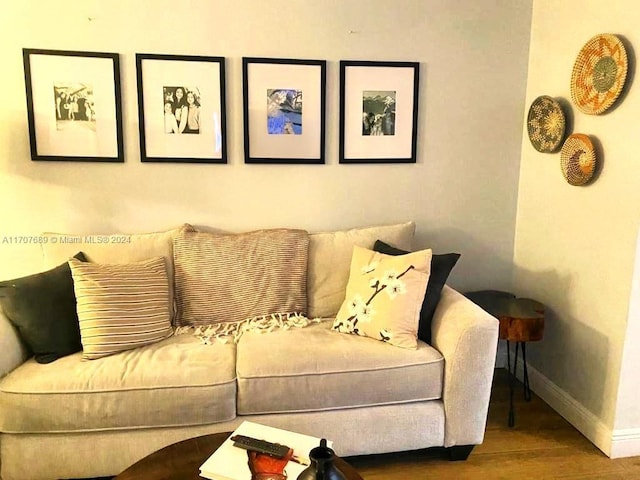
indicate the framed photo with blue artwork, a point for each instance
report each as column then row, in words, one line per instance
column 378, row 111
column 73, row 105
column 181, row 108
column 284, row 110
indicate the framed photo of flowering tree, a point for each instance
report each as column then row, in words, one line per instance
column 181, row 108
column 378, row 111
column 73, row 105
column 284, row 110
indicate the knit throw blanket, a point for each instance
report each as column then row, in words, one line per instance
column 224, row 332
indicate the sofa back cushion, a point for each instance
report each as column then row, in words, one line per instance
column 235, row 277
column 114, row 248
column 330, row 261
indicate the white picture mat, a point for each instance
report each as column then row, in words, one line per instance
column 203, row 75
column 267, row 76
column 359, row 79
column 48, row 70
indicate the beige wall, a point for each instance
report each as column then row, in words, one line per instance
column 461, row 193
column 575, row 246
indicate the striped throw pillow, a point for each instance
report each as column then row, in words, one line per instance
column 121, row 306
column 236, row 277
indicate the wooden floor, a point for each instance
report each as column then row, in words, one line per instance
column 541, row 445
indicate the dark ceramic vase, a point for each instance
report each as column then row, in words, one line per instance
column 322, row 467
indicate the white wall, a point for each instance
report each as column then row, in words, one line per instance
column 627, row 420
column 461, row 193
column 575, row 246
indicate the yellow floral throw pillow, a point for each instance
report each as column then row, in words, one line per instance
column 384, row 296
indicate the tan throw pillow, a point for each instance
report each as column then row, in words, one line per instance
column 330, row 257
column 384, row 296
column 121, row 306
column 236, row 277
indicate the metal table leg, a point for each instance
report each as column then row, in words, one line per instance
column 512, row 418
column 527, row 389
column 512, row 374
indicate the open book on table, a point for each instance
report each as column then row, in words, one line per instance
column 229, row 462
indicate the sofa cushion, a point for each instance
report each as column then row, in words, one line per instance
column 235, row 277
column 121, row 306
column 43, row 309
column 175, row 382
column 114, row 248
column 384, row 296
column 313, row 368
column 441, row 266
column 330, row 259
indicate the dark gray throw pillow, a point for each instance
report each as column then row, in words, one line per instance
column 441, row 266
column 43, row 309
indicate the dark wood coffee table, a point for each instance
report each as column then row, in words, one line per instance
column 182, row 460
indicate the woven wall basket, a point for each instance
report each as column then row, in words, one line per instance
column 599, row 74
column 578, row 159
column 545, row 124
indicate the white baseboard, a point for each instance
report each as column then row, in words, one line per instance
column 581, row 418
column 625, row 443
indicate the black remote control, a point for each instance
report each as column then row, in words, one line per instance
column 260, row 446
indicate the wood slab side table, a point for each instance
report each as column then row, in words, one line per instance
column 521, row 321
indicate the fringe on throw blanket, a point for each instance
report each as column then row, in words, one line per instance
column 223, row 332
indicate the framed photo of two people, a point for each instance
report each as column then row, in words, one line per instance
column 181, row 108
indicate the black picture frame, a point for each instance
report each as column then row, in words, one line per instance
column 180, row 136
column 378, row 111
column 73, row 105
column 284, row 106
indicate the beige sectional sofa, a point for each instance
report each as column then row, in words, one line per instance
column 77, row 418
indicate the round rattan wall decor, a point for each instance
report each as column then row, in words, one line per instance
column 545, row 124
column 578, row 159
column 599, row 74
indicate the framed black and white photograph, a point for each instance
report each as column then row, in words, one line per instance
column 181, row 108
column 73, row 105
column 284, row 110
column 378, row 111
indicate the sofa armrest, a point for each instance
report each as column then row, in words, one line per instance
column 13, row 350
column 467, row 337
